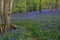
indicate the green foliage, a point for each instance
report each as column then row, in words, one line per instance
column 41, row 29
column 32, row 4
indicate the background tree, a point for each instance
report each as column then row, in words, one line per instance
column 56, row 4
column 40, row 6
column 34, row 5
column 51, row 5
column 25, row 6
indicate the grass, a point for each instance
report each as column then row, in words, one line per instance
column 48, row 28
column 42, row 30
column 33, row 30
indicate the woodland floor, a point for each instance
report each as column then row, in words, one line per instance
column 35, row 26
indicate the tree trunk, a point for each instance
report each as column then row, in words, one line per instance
column 56, row 4
column 1, row 11
column 7, row 12
column 50, row 5
column 25, row 6
column 40, row 7
column 37, row 7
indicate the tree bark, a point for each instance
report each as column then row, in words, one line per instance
column 25, row 6
column 7, row 12
column 40, row 7
column 56, row 4
column 50, row 5
column 1, row 11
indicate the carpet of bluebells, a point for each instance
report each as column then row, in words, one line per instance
column 35, row 26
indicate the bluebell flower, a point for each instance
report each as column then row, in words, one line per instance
column 14, row 38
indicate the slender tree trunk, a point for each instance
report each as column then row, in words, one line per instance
column 37, row 7
column 40, row 7
column 56, row 4
column 17, row 1
column 25, row 6
column 32, row 6
column 50, row 5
